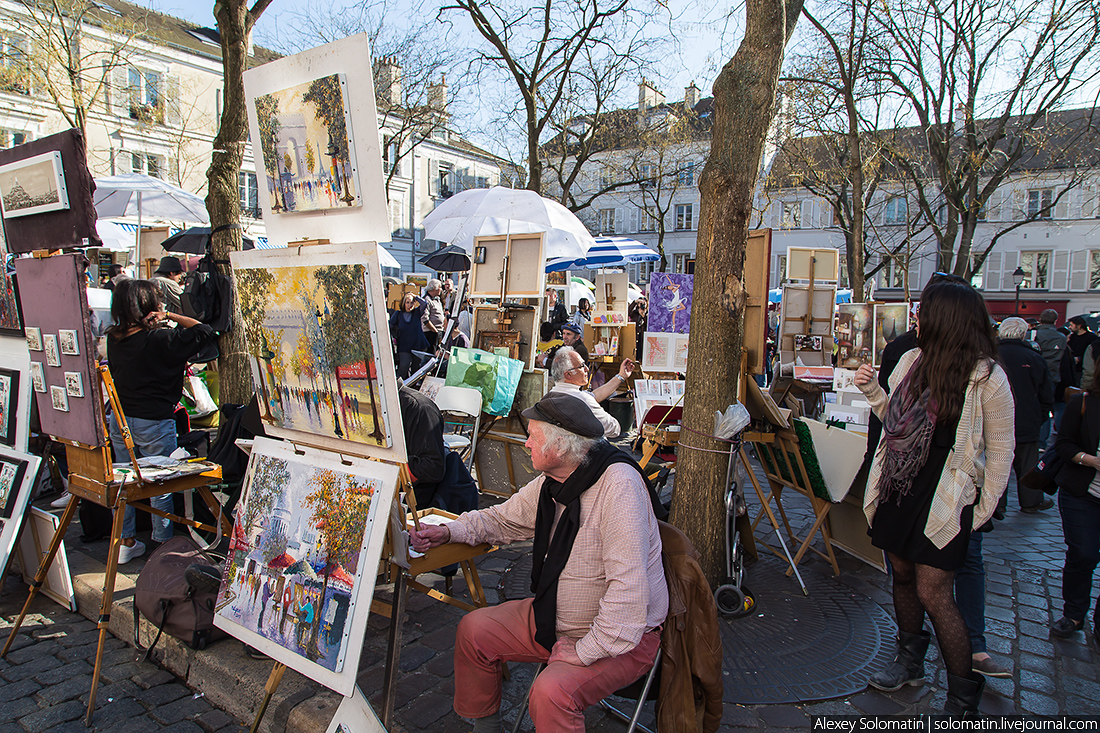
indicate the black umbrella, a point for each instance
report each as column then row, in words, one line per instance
column 451, row 258
column 195, row 240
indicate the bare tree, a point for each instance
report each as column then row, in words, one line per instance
column 744, row 104
column 235, row 23
column 540, row 48
column 981, row 79
column 66, row 51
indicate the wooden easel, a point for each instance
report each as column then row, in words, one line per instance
column 91, row 478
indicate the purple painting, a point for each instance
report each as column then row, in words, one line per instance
column 670, row 303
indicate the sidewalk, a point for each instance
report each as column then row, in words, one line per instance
column 1023, row 558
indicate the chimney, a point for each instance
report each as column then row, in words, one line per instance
column 648, row 96
column 387, row 80
column 437, row 95
column 691, row 96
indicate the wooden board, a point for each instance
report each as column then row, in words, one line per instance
column 503, row 464
column 826, row 263
column 35, row 541
column 525, row 270
column 758, row 254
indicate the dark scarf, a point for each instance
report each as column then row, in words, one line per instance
column 907, row 431
column 551, row 555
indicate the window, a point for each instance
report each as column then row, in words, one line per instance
column 249, row 193
column 446, row 189
column 647, row 176
column 646, row 221
column 147, row 163
column 1094, row 269
column 642, row 272
column 686, row 175
column 842, row 281
column 893, row 274
column 684, row 217
column 1039, row 203
column 11, row 138
column 607, row 221
column 781, row 261
column 684, row 263
column 146, row 95
column 1035, row 267
column 897, row 210
column 390, row 156
column 607, row 177
column 14, row 75
column 792, row 214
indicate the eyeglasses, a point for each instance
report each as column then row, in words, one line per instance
column 582, row 366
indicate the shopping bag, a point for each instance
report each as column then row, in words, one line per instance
column 495, row 377
column 197, row 399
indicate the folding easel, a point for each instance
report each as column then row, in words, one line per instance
column 91, row 478
column 782, row 471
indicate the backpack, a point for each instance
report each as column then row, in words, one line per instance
column 207, row 296
column 164, row 597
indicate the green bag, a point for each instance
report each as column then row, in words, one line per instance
column 496, row 377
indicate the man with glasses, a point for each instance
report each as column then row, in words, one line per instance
column 571, row 335
column 570, row 375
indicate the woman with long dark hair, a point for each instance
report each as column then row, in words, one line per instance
column 584, row 312
column 407, row 333
column 1079, row 504
column 147, row 362
column 949, row 413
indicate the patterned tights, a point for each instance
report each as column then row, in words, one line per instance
column 922, row 588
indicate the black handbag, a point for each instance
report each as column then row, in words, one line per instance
column 1042, row 476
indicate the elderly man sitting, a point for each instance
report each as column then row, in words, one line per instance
column 570, row 375
column 600, row 592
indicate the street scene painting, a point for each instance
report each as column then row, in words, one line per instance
column 309, row 330
column 305, row 141
column 891, row 321
column 33, row 186
column 303, row 556
column 670, row 303
column 854, row 334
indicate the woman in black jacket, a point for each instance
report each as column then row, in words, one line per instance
column 1079, row 503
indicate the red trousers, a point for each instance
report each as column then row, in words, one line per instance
column 506, row 633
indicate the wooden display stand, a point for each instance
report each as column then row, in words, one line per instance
column 91, row 478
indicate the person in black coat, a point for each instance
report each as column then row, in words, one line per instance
column 1033, row 392
column 1079, row 504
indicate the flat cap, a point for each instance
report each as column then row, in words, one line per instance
column 566, row 412
column 572, row 327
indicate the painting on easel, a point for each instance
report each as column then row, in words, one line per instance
column 311, row 324
column 670, row 297
column 18, row 472
column 891, row 321
column 303, row 555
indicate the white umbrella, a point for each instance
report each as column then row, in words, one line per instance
column 133, row 194
column 385, row 259
column 114, row 236
column 482, row 212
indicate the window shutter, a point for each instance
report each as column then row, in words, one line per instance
column 807, row 214
column 1088, row 202
column 1059, row 277
column 992, row 279
column 1008, row 266
column 1079, row 270
column 120, row 91
column 1061, row 209
column 174, row 171
column 172, row 116
column 433, row 177
column 619, row 223
column 1019, row 204
column 633, row 220
column 993, row 207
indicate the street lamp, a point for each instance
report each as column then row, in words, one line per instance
column 1018, row 280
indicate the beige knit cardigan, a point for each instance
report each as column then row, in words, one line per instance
column 979, row 460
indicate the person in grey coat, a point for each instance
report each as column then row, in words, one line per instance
column 1052, row 344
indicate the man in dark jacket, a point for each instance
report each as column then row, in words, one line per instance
column 1033, row 391
column 1080, row 338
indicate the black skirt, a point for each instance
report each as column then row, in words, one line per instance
column 898, row 526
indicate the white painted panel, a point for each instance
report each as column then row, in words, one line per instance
column 1079, row 270
column 992, row 281
column 1059, row 276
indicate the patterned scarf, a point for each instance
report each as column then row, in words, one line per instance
column 907, row 431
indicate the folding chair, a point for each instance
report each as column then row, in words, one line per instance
column 466, row 403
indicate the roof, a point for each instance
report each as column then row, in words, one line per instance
column 619, row 128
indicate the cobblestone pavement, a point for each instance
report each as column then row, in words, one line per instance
column 43, row 685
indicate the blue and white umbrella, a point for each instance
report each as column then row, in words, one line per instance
column 617, row 251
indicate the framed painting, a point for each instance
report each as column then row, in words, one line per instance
column 318, row 147
column 33, row 544
column 11, row 316
column 657, row 352
column 891, row 321
column 18, row 472
column 501, row 343
column 303, row 557
column 315, row 322
column 33, row 185
column 854, row 334
column 670, row 302
column 9, row 405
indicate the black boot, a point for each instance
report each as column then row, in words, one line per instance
column 907, row 667
column 963, row 696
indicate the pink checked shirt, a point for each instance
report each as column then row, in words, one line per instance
column 613, row 588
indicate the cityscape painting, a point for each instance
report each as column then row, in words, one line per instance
column 309, row 330
column 303, row 555
column 305, row 144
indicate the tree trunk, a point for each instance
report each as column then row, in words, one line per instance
column 223, row 202
column 744, row 104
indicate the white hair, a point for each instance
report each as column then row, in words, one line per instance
column 570, row 447
column 433, row 284
column 1012, row 328
column 562, row 363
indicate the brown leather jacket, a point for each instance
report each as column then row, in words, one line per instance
column 690, row 697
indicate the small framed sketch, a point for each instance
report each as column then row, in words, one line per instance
column 9, row 405
column 69, row 344
column 59, row 398
column 74, row 384
column 807, row 343
column 34, row 338
column 38, row 377
column 33, row 186
column 53, row 355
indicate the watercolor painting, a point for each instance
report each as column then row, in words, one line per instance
column 855, row 334
column 309, row 329
column 680, row 353
column 9, row 405
column 656, row 351
column 34, row 338
column 53, row 355
column 74, row 384
column 891, row 321
column 11, row 317
column 69, row 343
column 33, row 186
column 59, row 398
column 38, row 377
column 303, row 557
column 670, row 302
column 305, row 145
column 11, row 473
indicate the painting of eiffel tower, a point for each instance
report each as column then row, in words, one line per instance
column 33, row 186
